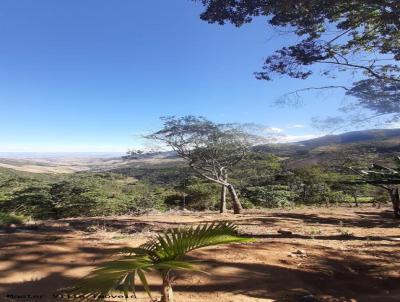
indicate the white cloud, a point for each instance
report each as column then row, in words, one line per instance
column 295, row 138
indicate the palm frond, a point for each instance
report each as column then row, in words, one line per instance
column 162, row 254
column 175, row 243
column 112, row 276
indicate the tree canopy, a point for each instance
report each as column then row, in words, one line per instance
column 210, row 149
column 359, row 36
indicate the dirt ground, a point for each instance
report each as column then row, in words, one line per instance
column 305, row 255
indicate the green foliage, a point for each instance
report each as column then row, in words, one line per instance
column 163, row 254
column 34, row 201
column 336, row 197
column 271, row 196
column 261, row 179
column 313, row 184
column 204, row 144
column 380, row 196
column 82, row 194
column 210, row 149
column 343, row 36
column 202, row 195
column 380, row 175
column 172, row 174
column 256, row 169
column 8, row 219
column 387, row 178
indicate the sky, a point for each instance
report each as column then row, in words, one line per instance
column 95, row 75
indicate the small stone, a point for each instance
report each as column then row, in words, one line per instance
column 12, row 226
column 300, row 252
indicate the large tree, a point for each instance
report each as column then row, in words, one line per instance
column 210, row 149
column 357, row 36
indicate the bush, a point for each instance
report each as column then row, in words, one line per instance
column 8, row 219
column 142, row 196
column 84, row 194
column 337, row 197
column 270, row 196
column 34, row 201
column 174, row 200
column 202, row 195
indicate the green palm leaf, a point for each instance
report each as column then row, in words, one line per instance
column 112, row 275
column 177, row 242
column 163, row 254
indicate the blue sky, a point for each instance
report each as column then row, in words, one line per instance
column 94, row 75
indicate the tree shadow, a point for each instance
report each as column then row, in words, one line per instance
column 47, row 261
column 338, row 237
column 332, row 278
column 40, row 264
column 365, row 220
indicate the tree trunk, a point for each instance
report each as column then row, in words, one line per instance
column 166, row 291
column 184, row 201
column 222, row 206
column 355, row 200
column 237, row 207
column 395, row 198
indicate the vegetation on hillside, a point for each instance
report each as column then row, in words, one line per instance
column 261, row 179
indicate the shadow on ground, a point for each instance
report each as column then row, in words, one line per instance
column 43, row 260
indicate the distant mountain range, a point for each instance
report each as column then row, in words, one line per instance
column 375, row 138
column 377, row 145
column 375, row 135
column 49, row 155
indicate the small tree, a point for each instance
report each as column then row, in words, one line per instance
column 164, row 255
column 210, row 149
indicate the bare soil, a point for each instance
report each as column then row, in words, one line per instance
column 311, row 254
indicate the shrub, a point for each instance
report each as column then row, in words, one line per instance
column 8, row 219
column 84, row 194
column 270, row 196
column 202, row 195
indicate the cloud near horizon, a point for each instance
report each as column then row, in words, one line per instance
column 280, row 134
column 295, row 138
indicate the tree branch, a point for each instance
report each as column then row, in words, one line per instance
column 298, row 91
column 366, row 68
